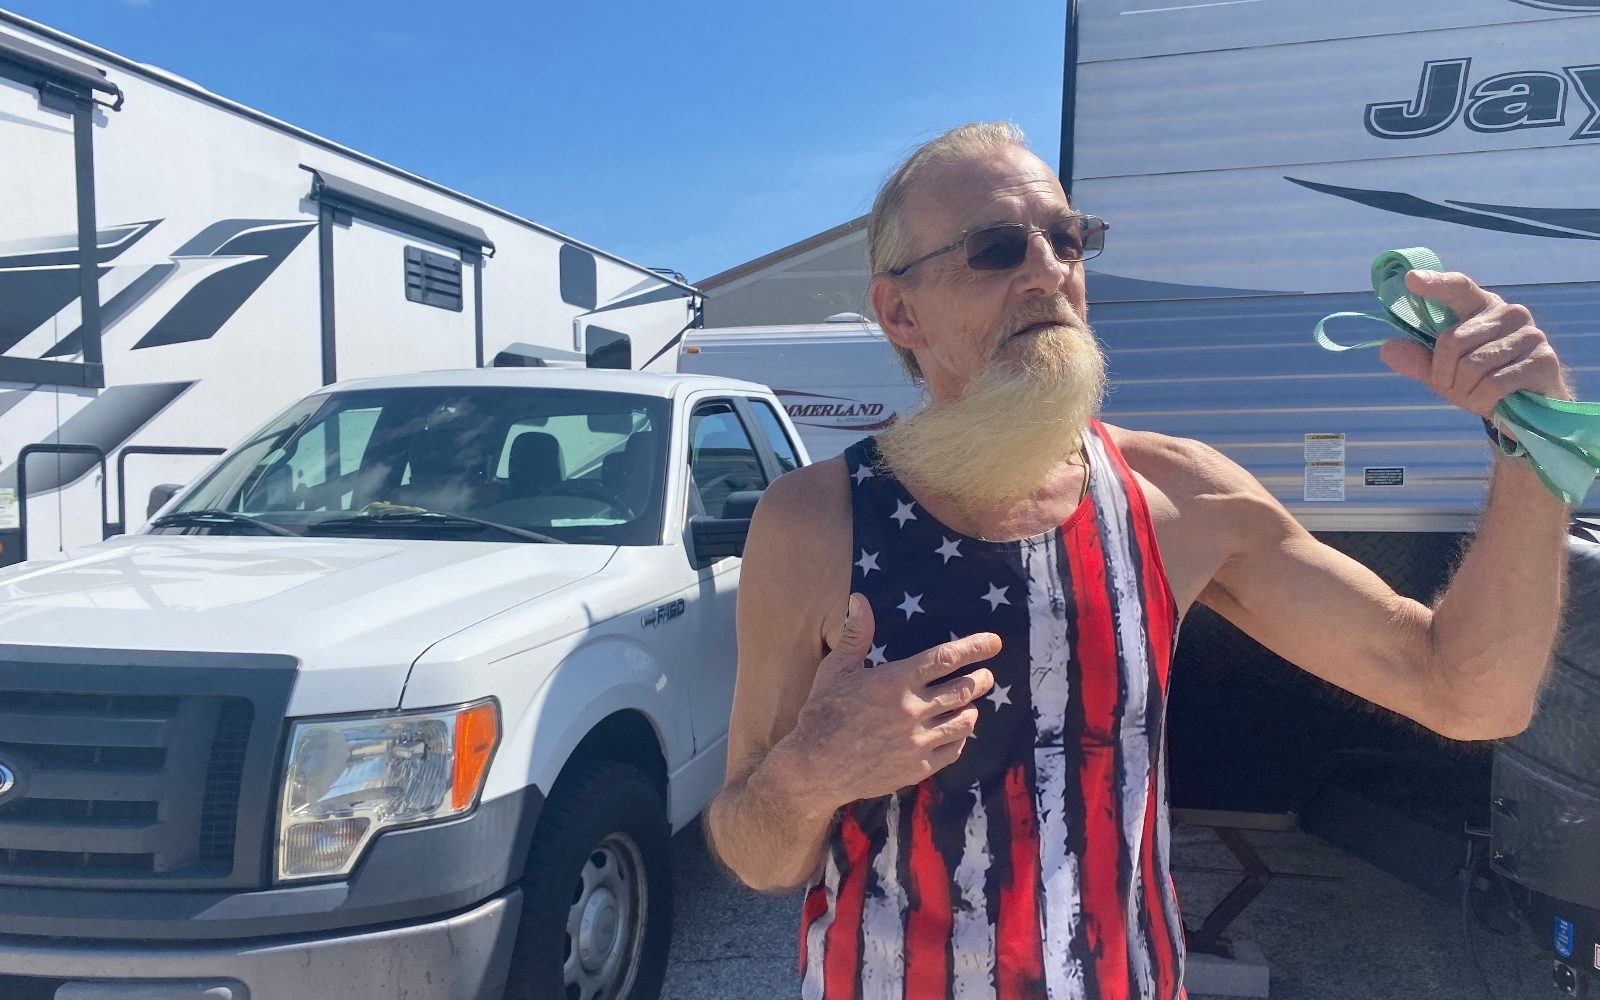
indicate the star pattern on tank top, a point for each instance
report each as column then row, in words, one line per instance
column 912, row 605
column 862, row 474
column 867, row 563
column 951, row 549
column 1000, row 694
column 904, row 512
column 996, row 597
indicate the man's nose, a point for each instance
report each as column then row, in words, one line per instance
column 1041, row 271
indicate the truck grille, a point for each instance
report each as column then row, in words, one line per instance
column 123, row 776
column 124, row 784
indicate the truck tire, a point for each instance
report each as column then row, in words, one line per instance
column 597, row 890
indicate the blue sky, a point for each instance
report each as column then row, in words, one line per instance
column 693, row 136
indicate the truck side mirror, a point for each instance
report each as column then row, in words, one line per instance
column 714, row 538
column 160, row 495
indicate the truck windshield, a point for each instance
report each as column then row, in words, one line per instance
column 574, row 465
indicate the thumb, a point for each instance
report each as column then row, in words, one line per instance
column 1408, row 358
column 855, row 637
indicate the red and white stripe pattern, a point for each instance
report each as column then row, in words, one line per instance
column 1037, row 866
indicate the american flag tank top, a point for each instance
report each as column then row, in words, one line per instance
column 1036, row 867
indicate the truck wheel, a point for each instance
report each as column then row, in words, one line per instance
column 597, row 892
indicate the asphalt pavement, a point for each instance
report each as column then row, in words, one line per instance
column 1356, row 933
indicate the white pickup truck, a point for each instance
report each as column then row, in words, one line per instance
column 402, row 699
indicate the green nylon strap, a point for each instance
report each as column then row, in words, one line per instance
column 1560, row 438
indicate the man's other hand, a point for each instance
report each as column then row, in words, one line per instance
column 869, row 731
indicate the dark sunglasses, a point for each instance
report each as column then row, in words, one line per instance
column 1005, row 246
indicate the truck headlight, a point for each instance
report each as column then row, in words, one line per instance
column 348, row 779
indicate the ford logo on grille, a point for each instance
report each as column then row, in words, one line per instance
column 8, row 781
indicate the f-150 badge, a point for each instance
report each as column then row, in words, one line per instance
column 663, row 613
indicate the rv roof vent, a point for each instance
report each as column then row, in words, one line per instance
column 846, row 318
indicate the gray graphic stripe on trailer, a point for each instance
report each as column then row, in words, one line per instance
column 1585, row 219
column 120, row 305
column 108, row 422
column 39, row 276
column 1401, row 203
column 212, row 302
column 664, row 293
column 1569, row 5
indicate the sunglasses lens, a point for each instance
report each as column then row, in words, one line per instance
column 997, row 248
column 1077, row 239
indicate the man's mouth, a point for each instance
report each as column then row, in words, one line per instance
column 1035, row 328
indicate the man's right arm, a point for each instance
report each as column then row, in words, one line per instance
column 794, row 581
column 813, row 728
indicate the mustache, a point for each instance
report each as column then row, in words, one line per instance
column 1057, row 310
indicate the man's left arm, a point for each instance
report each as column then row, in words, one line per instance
column 1471, row 666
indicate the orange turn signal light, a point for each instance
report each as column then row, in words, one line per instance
column 477, row 732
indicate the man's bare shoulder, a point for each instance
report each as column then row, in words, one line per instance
column 812, row 497
column 1206, row 508
column 1184, row 470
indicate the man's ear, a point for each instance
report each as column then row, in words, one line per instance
column 895, row 314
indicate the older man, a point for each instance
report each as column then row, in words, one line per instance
column 1000, row 829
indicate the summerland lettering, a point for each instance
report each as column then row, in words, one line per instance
column 839, row 413
column 1500, row 103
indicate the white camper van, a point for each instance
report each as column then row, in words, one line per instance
column 239, row 263
column 1253, row 158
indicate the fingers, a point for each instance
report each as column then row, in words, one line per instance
column 1481, row 374
column 1493, row 351
column 946, row 658
column 1452, row 289
column 1408, row 358
column 855, row 637
column 955, row 727
column 957, row 693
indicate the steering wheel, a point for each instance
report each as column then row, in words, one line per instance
column 591, row 491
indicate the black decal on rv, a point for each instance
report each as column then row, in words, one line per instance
column 120, row 305
column 39, row 275
column 1574, row 223
column 1440, row 94
column 260, row 245
column 1561, row 4
column 1517, row 100
column 1586, row 81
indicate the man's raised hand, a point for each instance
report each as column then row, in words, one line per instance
column 1492, row 352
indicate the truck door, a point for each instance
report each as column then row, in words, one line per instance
column 723, row 460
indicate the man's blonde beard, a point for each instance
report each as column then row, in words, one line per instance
column 1015, row 421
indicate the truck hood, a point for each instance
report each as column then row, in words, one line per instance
column 356, row 613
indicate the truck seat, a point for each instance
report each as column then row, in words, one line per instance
column 629, row 472
column 534, row 464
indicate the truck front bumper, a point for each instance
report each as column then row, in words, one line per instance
column 462, row 957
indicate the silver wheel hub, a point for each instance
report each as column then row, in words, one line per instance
column 606, row 922
column 597, row 933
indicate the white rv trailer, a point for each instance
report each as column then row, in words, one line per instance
column 238, row 263
column 1252, row 159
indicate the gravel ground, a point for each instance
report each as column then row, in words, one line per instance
column 1362, row 936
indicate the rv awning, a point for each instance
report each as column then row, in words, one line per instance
column 398, row 213
column 34, row 64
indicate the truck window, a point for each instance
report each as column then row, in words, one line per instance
column 782, row 447
column 721, row 458
column 582, row 466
